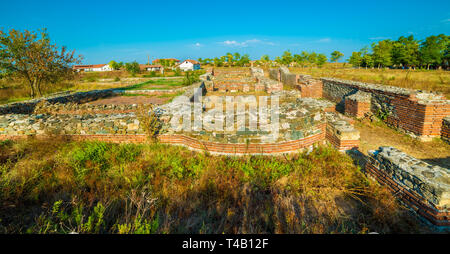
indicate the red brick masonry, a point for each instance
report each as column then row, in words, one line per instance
column 417, row 203
column 239, row 149
column 356, row 108
column 412, row 115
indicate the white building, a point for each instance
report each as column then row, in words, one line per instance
column 92, row 67
column 151, row 67
column 189, row 65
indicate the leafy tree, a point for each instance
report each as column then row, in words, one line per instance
column 133, row 68
column 229, row 58
column 286, row 58
column 265, row 58
column 355, row 59
column 367, row 61
column 217, row 62
column 312, row 58
column 382, row 53
column 114, row 65
column 303, row 59
column 433, row 50
column 237, row 56
column 278, row 60
column 321, row 60
column 405, row 51
column 245, row 60
column 335, row 56
column 31, row 56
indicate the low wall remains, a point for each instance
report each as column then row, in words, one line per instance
column 417, row 113
column 309, row 87
column 69, row 124
column 421, row 186
column 445, row 134
column 241, row 148
column 358, row 104
column 27, row 107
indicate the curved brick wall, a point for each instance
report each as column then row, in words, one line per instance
column 230, row 148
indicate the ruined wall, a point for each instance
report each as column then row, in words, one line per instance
column 309, row 87
column 341, row 133
column 445, row 134
column 27, row 107
column 417, row 113
column 242, row 148
column 358, row 104
column 421, row 186
column 68, row 124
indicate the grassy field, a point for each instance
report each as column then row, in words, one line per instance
column 158, row 84
column 61, row 186
column 432, row 80
column 376, row 134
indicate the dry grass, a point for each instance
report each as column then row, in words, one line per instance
column 92, row 187
column 433, row 80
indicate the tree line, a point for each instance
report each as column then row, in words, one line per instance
column 303, row 59
column 406, row 52
column 228, row 59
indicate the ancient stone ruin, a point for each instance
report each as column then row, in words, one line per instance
column 309, row 112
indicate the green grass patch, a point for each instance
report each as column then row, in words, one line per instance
column 58, row 186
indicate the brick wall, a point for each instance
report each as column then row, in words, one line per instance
column 356, row 108
column 416, row 113
column 311, row 89
column 422, row 187
column 342, row 135
column 241, row 149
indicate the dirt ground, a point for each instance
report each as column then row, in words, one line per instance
column 127, row 100
column 376, row 134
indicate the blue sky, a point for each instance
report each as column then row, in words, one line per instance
column 132, row 30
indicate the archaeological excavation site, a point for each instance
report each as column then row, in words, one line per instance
column 256, row 112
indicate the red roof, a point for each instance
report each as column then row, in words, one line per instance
column 192, row 61
column 88, row 66
column 145, row 66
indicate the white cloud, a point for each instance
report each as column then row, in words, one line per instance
column 198, row 45
column 324, row 40
column 246, row 43
column 446, row 21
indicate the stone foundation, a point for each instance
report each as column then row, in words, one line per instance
column 27, row 107
column 445, row 134
column 421, row 186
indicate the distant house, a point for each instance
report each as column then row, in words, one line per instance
column 150, row 67
column 92, row 67
column 189, row 65
column 166, row 61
